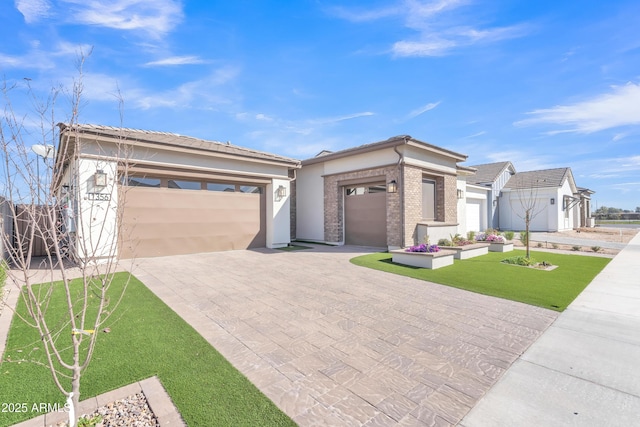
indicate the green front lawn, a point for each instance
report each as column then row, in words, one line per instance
column 486, row 275
column 147, row 338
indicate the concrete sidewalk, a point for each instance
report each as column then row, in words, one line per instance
column 564, row 240
column 583, row 370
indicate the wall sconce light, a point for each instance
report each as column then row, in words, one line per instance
column 100, row 179
column 392, row 187
column 64, row 190
column 281, row 192
column 553, row 201
column 460, row 194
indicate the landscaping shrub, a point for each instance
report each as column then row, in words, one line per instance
column 444, row 242
column 524, row 237
column 519, row 260
column 554, row 245
column 471, row 235
column 596, row 248
column 575, row 248
column 539, row 244
column 508, row 235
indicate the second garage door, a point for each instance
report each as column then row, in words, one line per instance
column 365, row 211
column 170, row 217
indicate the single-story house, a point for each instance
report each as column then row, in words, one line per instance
column 559, row 203
column 549, row 195
column 493, row 177
column 169, row 194
column 391, row 193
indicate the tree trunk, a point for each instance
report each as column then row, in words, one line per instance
column 526, row 225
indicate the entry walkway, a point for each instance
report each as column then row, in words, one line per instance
column 335, row 344
column 583, row 371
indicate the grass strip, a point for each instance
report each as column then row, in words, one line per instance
column 486, row 275
column 147, row 338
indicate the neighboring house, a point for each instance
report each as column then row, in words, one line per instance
column 391, row 193
column 492, row 176
column 169, row 194
column 553, row 195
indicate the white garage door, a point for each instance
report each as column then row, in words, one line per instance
column 474, row 215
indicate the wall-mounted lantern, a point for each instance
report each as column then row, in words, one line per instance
column 281, row 192
column 392, row 187
column 460, row 194
column 65, row 190
column 100, row 179
column 553, row 201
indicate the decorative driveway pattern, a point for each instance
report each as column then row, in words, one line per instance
column 335, row 344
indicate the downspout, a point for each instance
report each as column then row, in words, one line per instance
column 400, row 166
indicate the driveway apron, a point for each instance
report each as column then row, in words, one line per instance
column 331, row 343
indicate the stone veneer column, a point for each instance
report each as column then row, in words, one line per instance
column 412, row 193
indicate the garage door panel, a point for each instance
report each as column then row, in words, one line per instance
column 366, row 220
column 160, row 221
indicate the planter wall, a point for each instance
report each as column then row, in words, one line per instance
column 423, row 259
column 500, row 247
column 468, row 251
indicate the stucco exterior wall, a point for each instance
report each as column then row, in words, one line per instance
column 310, row 203
column 6, row 227
column 96, row 218
column 278, row 214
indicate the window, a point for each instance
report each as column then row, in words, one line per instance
column 141, row 181
column 185, row 185
column 369, row 189
column 250, row 189
column 428, row 199
column 355, row 191
column 216, row 186
column 381, row 188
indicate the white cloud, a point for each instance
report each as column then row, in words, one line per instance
column 475, row 135
column 203, row 93
column 33, row 10
column 439, row 29
column 155, row 17
column 175, row 60
column 620, row 107
column 329, row 120
column 430, row 106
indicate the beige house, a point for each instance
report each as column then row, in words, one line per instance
column 167, row 194
column 391, row 193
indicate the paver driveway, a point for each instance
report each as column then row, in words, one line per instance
column 335, row 344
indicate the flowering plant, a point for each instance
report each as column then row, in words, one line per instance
column 489, row 238
column 423, row 248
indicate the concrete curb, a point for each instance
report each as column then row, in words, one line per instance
column 157, row 397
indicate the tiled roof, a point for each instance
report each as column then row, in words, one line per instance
column 489, row 172
column 174, row 139
column 539, row 179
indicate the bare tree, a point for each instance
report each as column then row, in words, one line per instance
column 527, row 191
column 78, row 236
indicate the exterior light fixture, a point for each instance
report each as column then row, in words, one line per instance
column 100, row 179
column 460, row 194
column 65, row 190
column 281, row 192
column 392, row 187
column 553, row 201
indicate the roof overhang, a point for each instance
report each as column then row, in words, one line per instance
column 402, row 140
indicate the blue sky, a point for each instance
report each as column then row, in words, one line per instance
column 543, row 84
